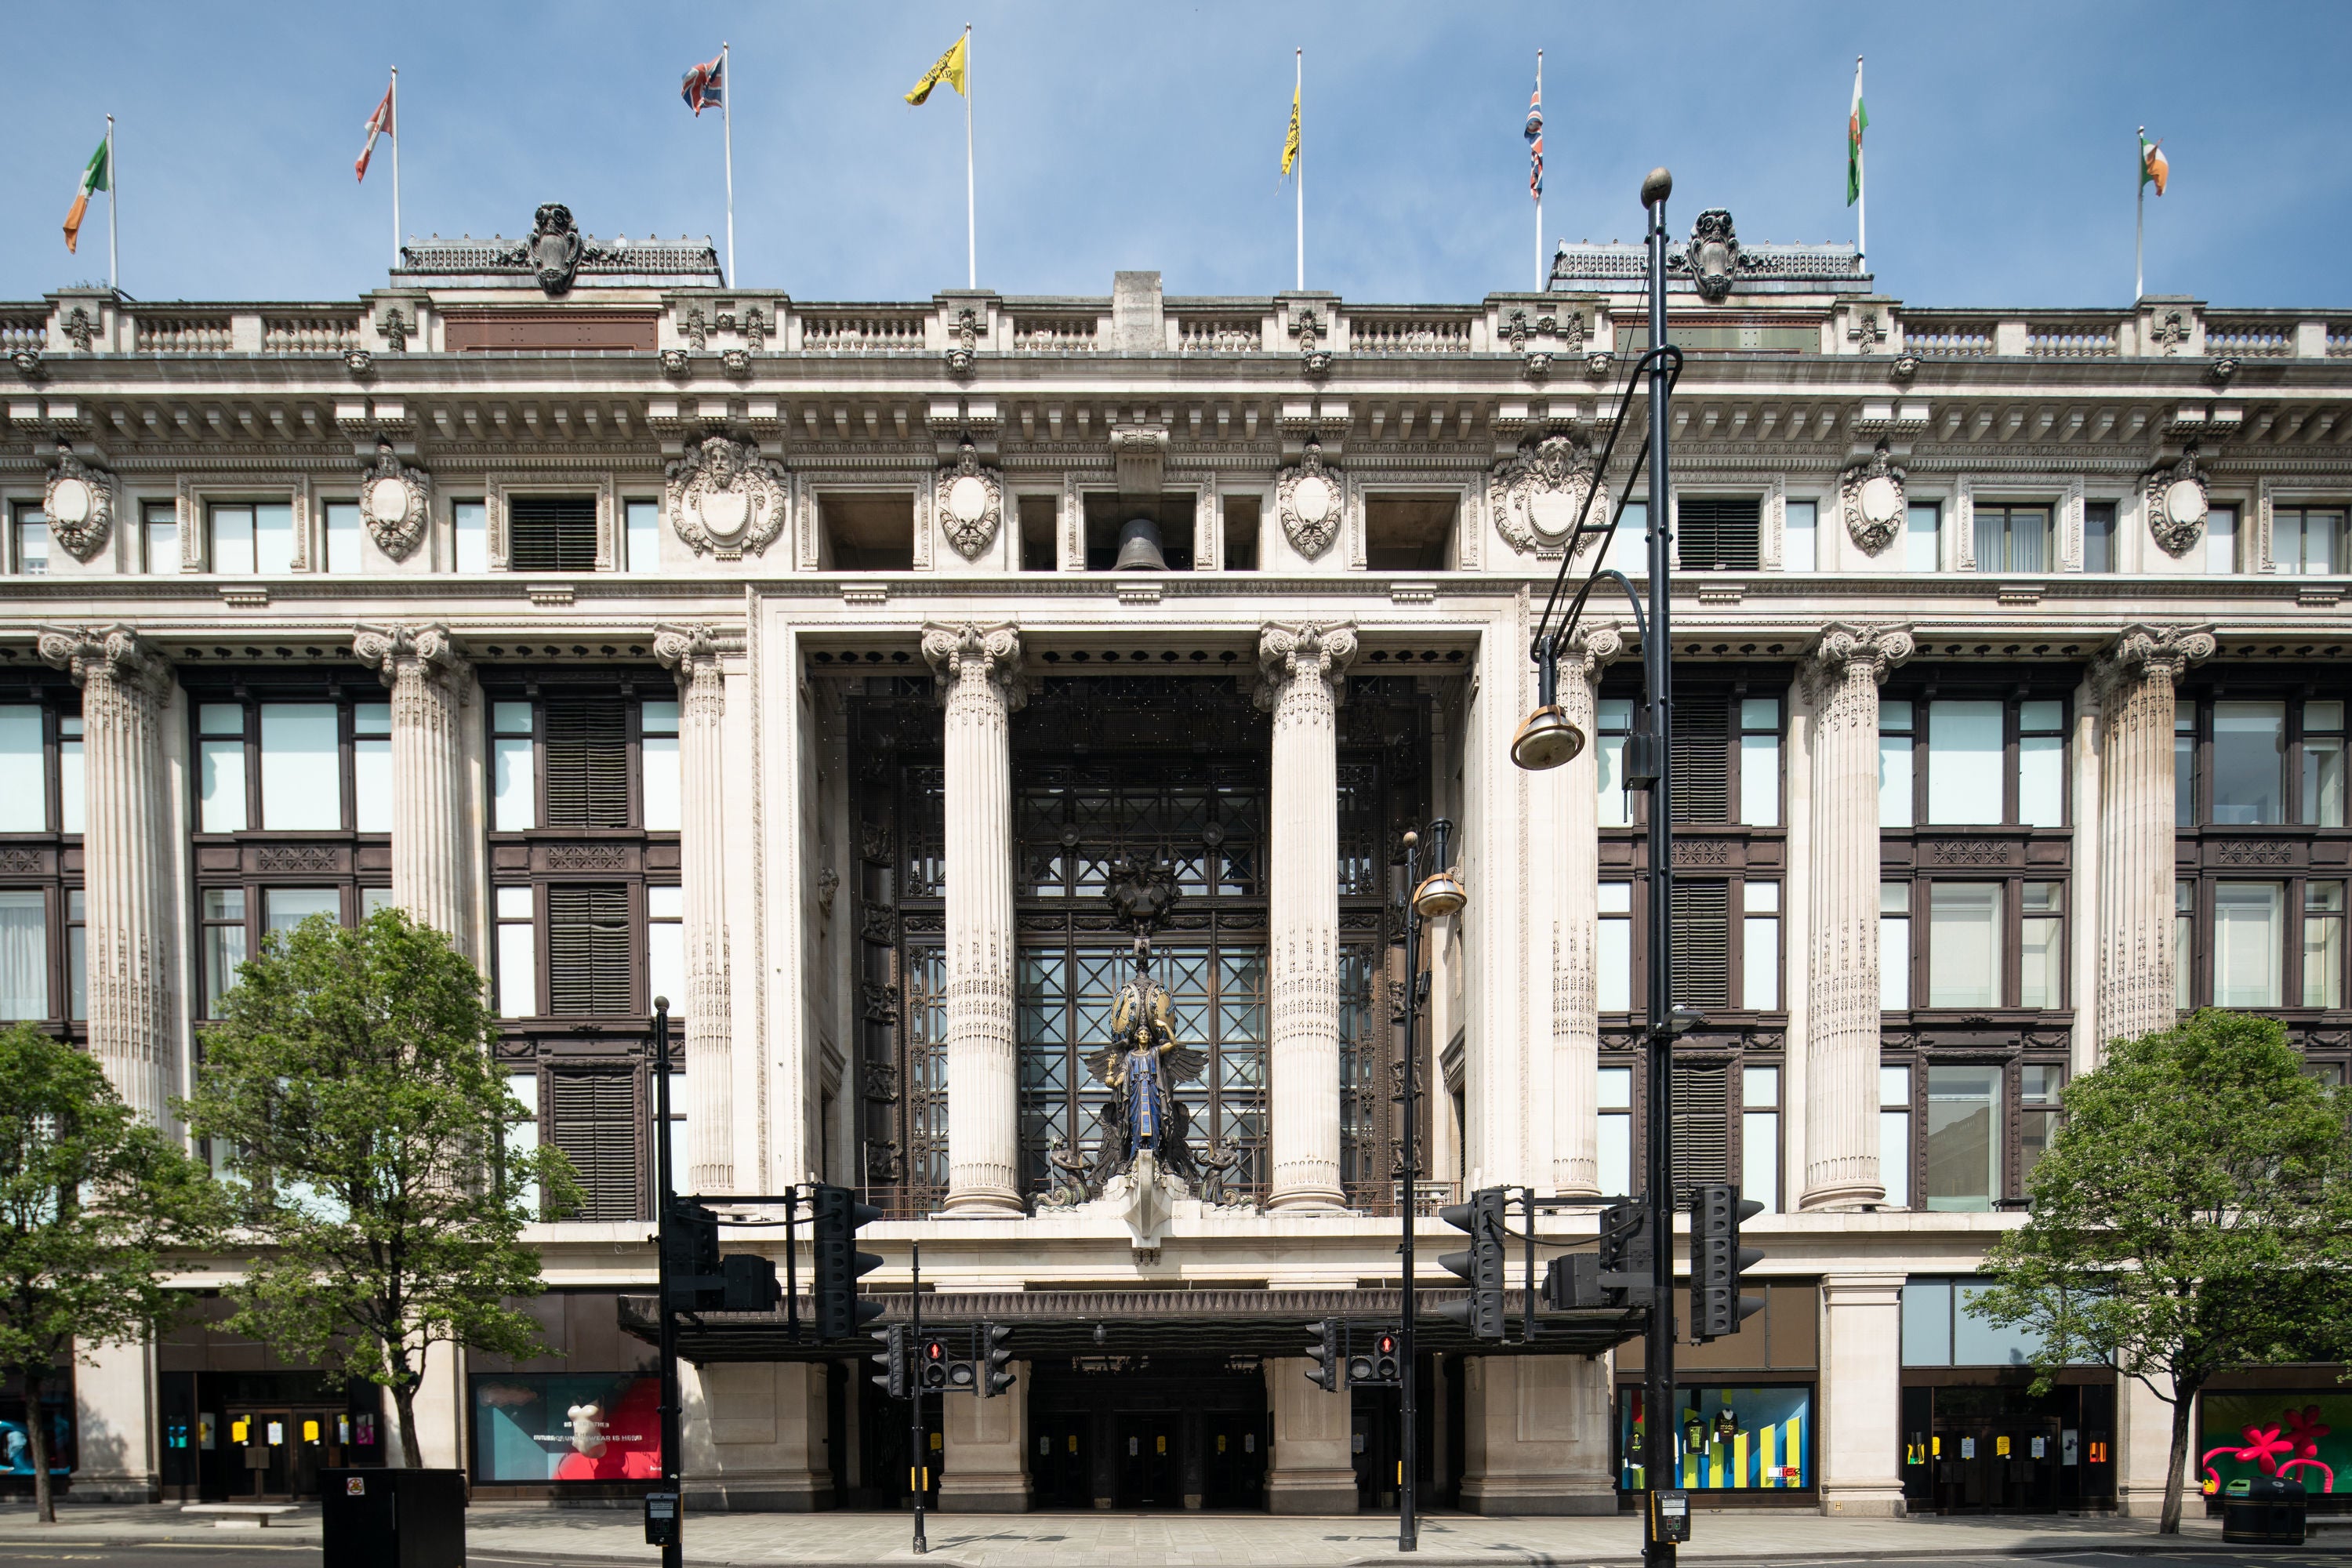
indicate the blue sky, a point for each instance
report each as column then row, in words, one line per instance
column 1129, row 136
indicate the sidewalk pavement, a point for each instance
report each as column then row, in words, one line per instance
column 1118, row 1540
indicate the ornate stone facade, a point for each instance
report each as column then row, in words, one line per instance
column 695, row 654
column 433, row 828
column 2135, row 678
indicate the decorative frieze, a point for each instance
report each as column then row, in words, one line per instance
column 724, row 499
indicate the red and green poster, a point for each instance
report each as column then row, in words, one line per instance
column 2294, row 1436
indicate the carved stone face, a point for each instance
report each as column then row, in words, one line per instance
column 721, row 462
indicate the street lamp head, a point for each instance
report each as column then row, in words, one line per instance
column 1547, row 740
column 1657, row 186
column 1441, row 893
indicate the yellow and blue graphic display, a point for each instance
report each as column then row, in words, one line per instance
column 1725, row 1439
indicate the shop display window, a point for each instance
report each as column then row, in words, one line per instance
column 1726, row 1438
column 539, row 1426
column 2295, row 1434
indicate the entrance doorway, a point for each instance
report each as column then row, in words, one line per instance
column 277, row 1451
column 1147, row 1432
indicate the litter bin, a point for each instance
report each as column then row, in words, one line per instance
column 394, row 1519
column 2258, row 1510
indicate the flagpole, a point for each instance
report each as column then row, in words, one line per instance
column 727, row 120
column 113, row 200
column 396, row 168
column 971, row 218
column 2139, row 225
column 1540, row 278
column 1861, row 183
column 1299, row 92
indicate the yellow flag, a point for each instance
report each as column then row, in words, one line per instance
column 950, row 71
column 1290, row 143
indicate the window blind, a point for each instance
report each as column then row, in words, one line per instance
column 587, row 762
column 596, row 1124
column 588, row 949
column 552, row 533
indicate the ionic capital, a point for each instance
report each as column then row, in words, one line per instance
column 1843, row 645
column 115, row 655
column 1309, row 649
column 2145, row 652
column 427, row 651
column 694, row 651
column 966, row 650
column 1591, row 648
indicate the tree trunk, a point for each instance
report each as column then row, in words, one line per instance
column 37, row 1438
column 403, row 1398
column 2183, row 1397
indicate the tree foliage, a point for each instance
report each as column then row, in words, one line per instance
column 352, row 1081
column 2193, row 1214
column 91, row 1200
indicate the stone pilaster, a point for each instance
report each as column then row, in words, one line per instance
column 431, row 837
column 2134, row 678
column 694, row 653
column 979, row 674
column 130, row 891
column 1302, row 666
column 1569, row 795
column 1842, row 1010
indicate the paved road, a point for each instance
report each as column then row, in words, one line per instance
column 253, row 1549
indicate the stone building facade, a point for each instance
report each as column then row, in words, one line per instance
column 656, row 637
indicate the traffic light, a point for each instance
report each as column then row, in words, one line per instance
column 839, row 1263
column 931, row 1366
column 690, row 1240
column 1323, row 1351
column 1379, row 1367
column 993, row 1360
column 892, row 1379
column 1572, row 1281
column 750, row 1283
column 1624, row 1254
column 1717, row 1261
column 1481, row 1268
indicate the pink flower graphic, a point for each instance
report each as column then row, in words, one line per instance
column 2304, row 1430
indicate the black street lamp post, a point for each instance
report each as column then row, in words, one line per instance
column 1438, row 894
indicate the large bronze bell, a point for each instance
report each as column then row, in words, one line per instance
column 1138, row 547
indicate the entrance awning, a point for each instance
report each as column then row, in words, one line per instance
column 1136, row 1322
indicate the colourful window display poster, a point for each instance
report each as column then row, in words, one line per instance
column 2295, row 1436
column 565, row 1427
column 1727, row 1439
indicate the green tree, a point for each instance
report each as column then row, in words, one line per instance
column 352, row 1083
column 2194, row 1213
column 91, row 1200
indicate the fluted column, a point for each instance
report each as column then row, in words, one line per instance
column 694, row 653
column 2134, row 678
column 1574, row 802
column 431, row 846
column 1842, row 1009
column 127, row 881
column 1301, row 668
column 979, row 672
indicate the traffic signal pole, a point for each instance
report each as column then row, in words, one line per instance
column 917, row 1459
column 673, row 1548
column 1407, row 1523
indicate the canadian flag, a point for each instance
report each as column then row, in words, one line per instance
column 378, row 124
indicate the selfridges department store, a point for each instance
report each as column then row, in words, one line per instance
column 652, row 637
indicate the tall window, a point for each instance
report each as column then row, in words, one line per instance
column 1616, row 1138
column 2222, row 542
column 2040, row 1089
column 2308, row 540
column 1895, row 946
column 642, row 534
column 2099, row 536
column 1922, row 532
column 28, row 548
column 469, row 536
column 1963, row 1138
column 1614, row 722
column 1991, row 943
column 1894, row 1134
column 1760, row 1136
column 2249, row 944
column 1800, row 549
column 1614, row 953
column 344, row 532
column 2265, row 763
column 1717, row 533
column 2012, row 538
column 1726, row 754
column 158, row 537
column 24, row 954
column 1972, row 761
column 253, row 537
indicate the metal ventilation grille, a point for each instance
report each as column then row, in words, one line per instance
column 1702, row 1151
column 588, row 949
column 587, row 762
column 596, row 1124
column 1701, row 943
column 1702, row 758
column 1718, row 533
column 552, row 533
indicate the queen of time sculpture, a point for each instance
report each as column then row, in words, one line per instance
column 1145, row 1125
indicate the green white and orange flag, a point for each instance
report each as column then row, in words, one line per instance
column 97, row 176
column 2153, row 169
column 1857, row 120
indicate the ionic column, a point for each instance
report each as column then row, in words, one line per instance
column 694, row 653
column 2134, row 678
column 127, row 881
column 1301, row 668
column 431, row 846
column 1842, row 1007
column 1571, row 795
column 979, row 672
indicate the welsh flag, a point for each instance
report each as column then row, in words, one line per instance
column 1857, row 120
column 97, row 176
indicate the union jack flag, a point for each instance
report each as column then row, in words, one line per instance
column 705, row 86
column 1535, row 144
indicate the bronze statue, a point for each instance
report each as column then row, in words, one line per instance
column 1143, row 1064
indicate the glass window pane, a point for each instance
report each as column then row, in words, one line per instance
column 1927, row 1322
column 2041, row 717
column 470, row 530
column 1964, row 756
column 2249, row 749
column 511, row 718
column 1759, row 780
column 1798, row 551
column 1894, row 1085
column 2041, row 781
column 220, row 718
column 1760, row 898
column 1759, row 1088
column 665, row 903
column 2184, row 941
column 522, row 1137
column 1760, row 1158
column 1629, row 549
column 1893, row 962
column 2322, row 944
column 273, row 537
column 1895, row 1157
column 644, row 535
column 73, row 797
column 1613, row 960
column 375, row 898
column 2040, row 973
column 163, row 542
column 2247, row 922
column 1616, row 1089
column 514, row 903
column 233, row 540
column 24, row 787
column 662, row 806
column 518, row 967
column 658, row 717
column 1616, row 898
column 514, row 796
column 2221, row 541
column 1895, row 744
column 32, row 543
column 220, row 786
column 2323, row 718
column 2099, row 536
column 372, row 784
column 283, row 908
column 666, row 965
column 301, row 781
column 1759, row 963
column 24, row 954
column 344, row 534
column 1615, row 1148
column 1963, row 1138
column 2323, row 780
column 1919, row 537
column 1964, row 944
column 2184, row 767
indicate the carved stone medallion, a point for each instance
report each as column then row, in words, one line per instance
column 1308, row 496
column 554, row 249
column 79, row 504
column 726, row 501
column 393, row 503
column 1871, row 496
column 2176, row 504
column 1713, row 254
column 1540, row 494
column 970, row 501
